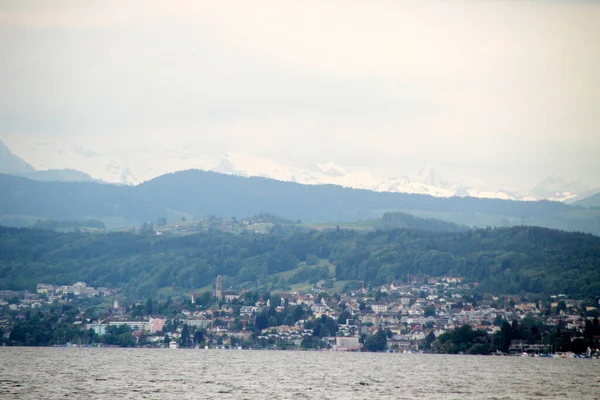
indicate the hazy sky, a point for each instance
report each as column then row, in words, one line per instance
column 506, row 92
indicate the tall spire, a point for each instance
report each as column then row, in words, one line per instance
column 218, row 290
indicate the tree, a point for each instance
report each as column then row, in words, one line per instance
column 185, row 335
column 288, row 320
column 141, row 265
column 429, row 339
column 324, row 331
column 344, row 316
column 578, row 346
column 429, row 311
column 149, row 306
column 498, row 321
column 162, row 221
column 298, row 313
column 505, row 336
column 311, row 342
column 325, row 326
column 588, row 332
column 261, row 322
column 199, row 336
column 204, row 299
column 377, row 341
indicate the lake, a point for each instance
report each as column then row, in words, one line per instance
column 107, row 373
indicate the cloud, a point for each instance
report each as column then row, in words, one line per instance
column 501, row 91
column 86, row 152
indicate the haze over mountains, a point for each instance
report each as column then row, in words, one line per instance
column 13, row 165
column 133, row 169
column 195, row 194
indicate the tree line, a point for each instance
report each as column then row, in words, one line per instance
column 516, row 260
column 530, row 331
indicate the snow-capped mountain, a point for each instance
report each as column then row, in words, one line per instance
column 322, row 173
column 133, row 167
column 424, row 181
column 406, row 185
column 558, row 188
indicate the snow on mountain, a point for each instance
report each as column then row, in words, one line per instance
column 558, row 187
column 431, row 177
column 408, row 186
column 424, row 181
column 332, row 169
column 129, row 167
column 326, row 173
column 493, row 194
column 226, row 167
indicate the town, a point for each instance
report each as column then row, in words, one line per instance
column 425, row 314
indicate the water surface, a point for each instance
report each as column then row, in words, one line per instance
column 106, row 373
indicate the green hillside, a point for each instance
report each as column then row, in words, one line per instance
column 503, row 260
column 390, row 221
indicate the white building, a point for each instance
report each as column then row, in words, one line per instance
column 44, row 288
column 379, row 308
column 134, row 325
column 346, row 343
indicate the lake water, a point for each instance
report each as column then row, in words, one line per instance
column 94, row 373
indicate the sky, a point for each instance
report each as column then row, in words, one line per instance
column 499, row 93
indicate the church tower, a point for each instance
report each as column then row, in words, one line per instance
column 218, row 289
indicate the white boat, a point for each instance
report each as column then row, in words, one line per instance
column 173, row 344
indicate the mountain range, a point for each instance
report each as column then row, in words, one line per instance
column 14, row 165
column 132, row 169
column 195, row 194
column 426, row 180
column 591, row 201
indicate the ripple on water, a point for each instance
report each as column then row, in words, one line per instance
column 52, row 373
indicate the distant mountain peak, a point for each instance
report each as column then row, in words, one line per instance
column 557, row 187
column 331, row 169
column 430, row 176
column 225, row 166
column 12, row 164
column 60, row 175
column 135, row 168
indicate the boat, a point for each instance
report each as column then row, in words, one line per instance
column 173, row 344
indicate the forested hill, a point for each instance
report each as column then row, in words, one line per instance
column 199, row 193
column 591, row 201
column 503, row 260
column 397, row 220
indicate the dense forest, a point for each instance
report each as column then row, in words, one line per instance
column 396, row 220
column 198, row 193
column 502, row 260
